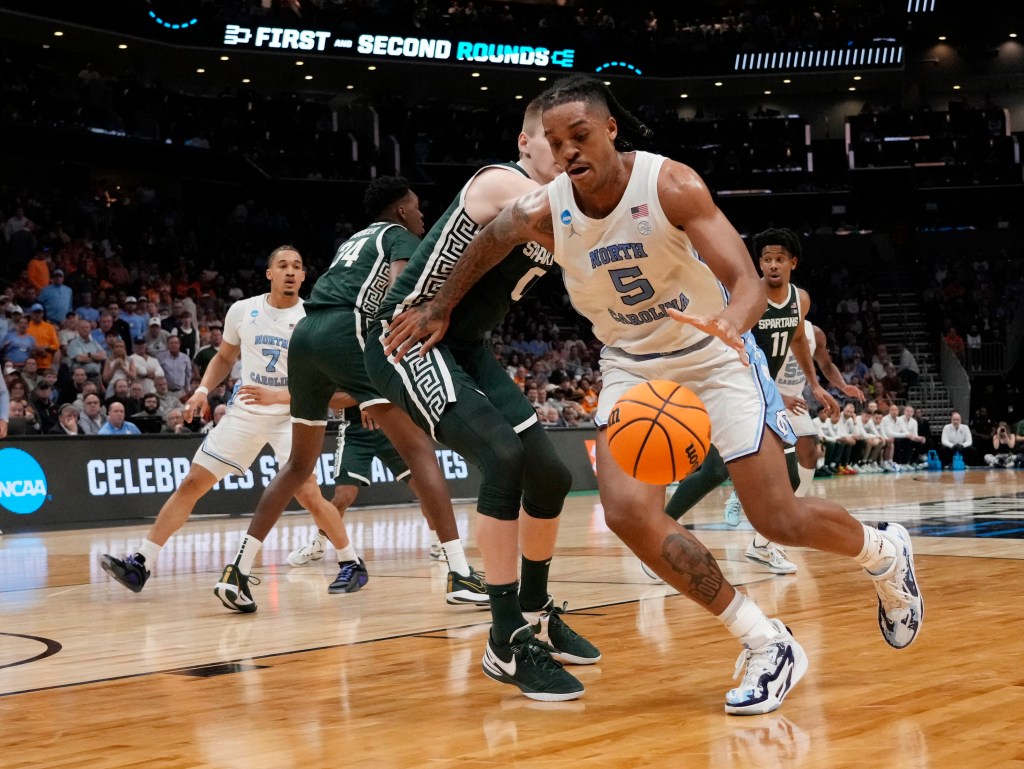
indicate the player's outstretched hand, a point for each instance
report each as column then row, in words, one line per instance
column 194, row 405
column 715, row 325
column 828, row 403
column 852, row 391
column 415, row 324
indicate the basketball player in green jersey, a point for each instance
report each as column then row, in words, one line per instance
column 779, row 329
column 325, row 355
column 464, row 397
column 359, row 441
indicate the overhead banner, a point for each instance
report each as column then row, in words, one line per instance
column 75, row 480
column 398, row 47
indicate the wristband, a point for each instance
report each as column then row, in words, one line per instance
column 203, row 389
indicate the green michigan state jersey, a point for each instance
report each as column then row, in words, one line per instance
column 488, row 302
column 358, row 275
column 774, row 331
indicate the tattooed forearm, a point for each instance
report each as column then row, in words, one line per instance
column 544, row 225
column 487, row 248
column 688, row 557
column 519, row 213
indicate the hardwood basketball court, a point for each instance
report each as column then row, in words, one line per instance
column 92, row 675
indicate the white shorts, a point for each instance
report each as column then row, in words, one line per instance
column 740, row 399
column 233, row 445
column 803, row 424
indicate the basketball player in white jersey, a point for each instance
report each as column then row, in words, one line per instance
column 791, row 382
column 256, row 330
column 630, row 265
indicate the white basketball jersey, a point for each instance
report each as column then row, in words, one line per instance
column 791, row 379
column 263, row 333
column 623, row 271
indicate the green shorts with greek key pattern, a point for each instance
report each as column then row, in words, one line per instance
column 426, row 388
column 357, row 446
column 324, row 356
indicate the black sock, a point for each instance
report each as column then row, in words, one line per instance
column 506, row 615
column 533, row 589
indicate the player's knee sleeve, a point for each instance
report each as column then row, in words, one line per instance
column 715, row 468
column 501, row 490
column 793, row 466
column 698, row 484
column 547, row 480
column 475, row 429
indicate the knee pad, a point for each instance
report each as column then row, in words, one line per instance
column 793, row 466
column 501, row 490
column 475, row 429
column 546, row 480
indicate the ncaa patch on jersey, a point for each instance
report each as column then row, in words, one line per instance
column 566, row 217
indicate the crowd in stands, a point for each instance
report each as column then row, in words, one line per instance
column 973, row 290
column 114, row 304
column 126, row 285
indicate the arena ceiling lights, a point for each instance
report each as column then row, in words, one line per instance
column 853, row 57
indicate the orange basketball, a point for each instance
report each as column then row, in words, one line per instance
column 659, row 432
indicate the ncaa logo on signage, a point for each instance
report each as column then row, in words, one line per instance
column 22, row 482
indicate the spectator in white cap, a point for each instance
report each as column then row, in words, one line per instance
column 155, row 336
column 136, row 322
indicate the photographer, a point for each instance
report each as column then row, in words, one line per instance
column 1003, row 443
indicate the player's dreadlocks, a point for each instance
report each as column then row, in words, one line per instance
column 786, row 238
column 593, row 91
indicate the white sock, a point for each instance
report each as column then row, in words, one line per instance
column 745, row 620
column 806, row 477
column 760, row 541
column 878, row 553
column 247, row 552
column 347, row 553
column 456, row 557
column 149, row 550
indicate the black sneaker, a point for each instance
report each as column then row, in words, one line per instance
column 567, row 646
column 233, row 590
column 471, row 589
column 351, row 577
column 527, row 663
column 130, row 572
